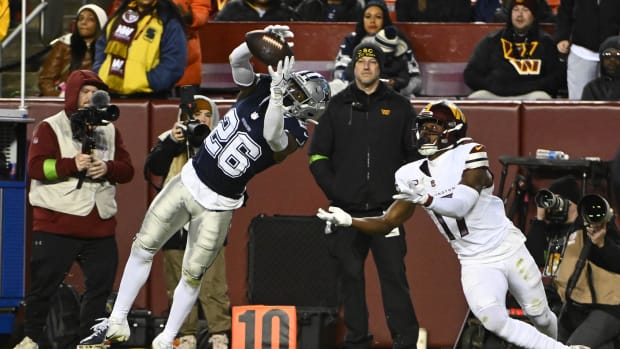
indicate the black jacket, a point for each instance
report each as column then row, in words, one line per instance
column 319, row 11
column 587, row 24
column 240, row 10
column 360, row 142
column 607, row 86
column 499, row 65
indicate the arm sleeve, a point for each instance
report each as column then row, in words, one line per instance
column 273, row 130
column 242, row 71
column 462, row 201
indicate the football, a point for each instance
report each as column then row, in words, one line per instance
column 267, row 47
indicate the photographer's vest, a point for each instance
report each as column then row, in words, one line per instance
column 62, row 195
column 603, row 282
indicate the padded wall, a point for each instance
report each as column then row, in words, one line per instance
column 506, row 128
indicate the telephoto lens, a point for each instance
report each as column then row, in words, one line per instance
column 594, row 209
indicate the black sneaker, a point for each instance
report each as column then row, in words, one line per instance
column 97, row 339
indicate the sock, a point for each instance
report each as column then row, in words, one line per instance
column 184, row 298
column 135, row 275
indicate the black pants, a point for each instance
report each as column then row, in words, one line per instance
column 350, row 247
column 594, row 328
column 50, row 260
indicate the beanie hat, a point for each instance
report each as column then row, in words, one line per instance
column 532, row 5
column 102, row 18
column 369, row 49
column 205, row 103
column 566, row 187
column 387, row 39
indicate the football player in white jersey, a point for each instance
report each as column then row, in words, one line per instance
column 455, row 187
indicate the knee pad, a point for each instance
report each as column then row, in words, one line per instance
column 141, row 252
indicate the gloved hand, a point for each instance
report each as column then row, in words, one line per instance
column 280, row 78
column 336, row 216
column 417, row 194
column 283, row 31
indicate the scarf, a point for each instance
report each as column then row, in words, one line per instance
column 123, row 32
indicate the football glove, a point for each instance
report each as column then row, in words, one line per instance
column 417, row 194
column 335, row 216
column 283, row 31
column 280, row 78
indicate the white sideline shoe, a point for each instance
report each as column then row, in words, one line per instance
column 27, row 343
column 219, row 341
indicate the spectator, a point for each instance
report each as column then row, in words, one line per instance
column 607, row 86
column 375, row 17
column 166, row 159
column 364, row 136
column 517, row 62
column 257, row 10
column 73, row 223
column 264, row 126
column 434, row 10
column 582, row 26
column 588, row 278
column 195, row 14
column 330, row 10
column 454, row 186
column 486, row 10
column 73, row 51
column 502, row 14
column 5, row 19
column 138, row 55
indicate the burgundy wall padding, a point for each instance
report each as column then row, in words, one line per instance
column 506, row 128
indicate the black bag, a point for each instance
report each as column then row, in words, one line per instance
column 289, row 263
column 63, row 320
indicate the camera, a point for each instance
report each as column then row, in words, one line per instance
column 594, row 209
column 195, row 132
column 556, row 207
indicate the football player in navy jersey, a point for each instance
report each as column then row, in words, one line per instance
column 264, row 126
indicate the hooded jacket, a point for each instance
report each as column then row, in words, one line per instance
column 49, row 164
column 607, row 86
column 196, row 14
column 508, row 64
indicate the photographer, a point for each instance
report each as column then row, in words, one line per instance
column 588, row 278
column 166, row 159
column 70, row 223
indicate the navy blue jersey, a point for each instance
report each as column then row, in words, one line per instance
column 235, row 151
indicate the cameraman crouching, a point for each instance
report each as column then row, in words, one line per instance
column 588, row 279
column 556, row 240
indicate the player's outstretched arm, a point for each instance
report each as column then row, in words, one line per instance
column 273, row 129
column 396, row 215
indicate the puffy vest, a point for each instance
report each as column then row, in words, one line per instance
column 62, row 195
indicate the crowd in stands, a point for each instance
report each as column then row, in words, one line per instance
column 538, row 65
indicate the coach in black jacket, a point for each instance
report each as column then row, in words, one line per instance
column 361, row 140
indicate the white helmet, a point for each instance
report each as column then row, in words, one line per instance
column 307, row 95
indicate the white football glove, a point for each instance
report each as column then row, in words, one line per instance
column 335, row 216
column 283, row 31
column 417, row 194
column 280, row 78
